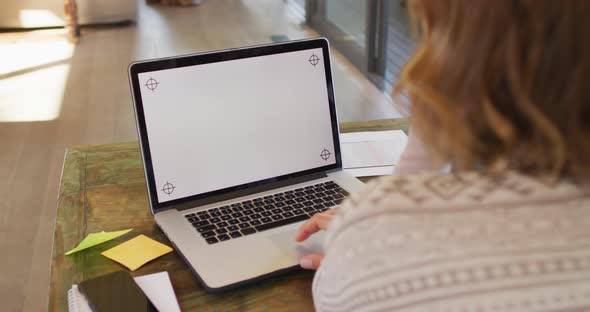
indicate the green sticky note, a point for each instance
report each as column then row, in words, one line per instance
column 94, row 239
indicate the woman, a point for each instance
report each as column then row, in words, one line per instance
column 501, row 91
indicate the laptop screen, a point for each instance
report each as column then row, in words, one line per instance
column 218, row 125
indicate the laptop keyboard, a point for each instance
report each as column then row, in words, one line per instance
column 265, row 213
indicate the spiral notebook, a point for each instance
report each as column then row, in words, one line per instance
column 77, row 301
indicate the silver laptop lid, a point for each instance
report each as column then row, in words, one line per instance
column 215, row 123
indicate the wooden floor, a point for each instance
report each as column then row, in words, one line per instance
column 53, row 95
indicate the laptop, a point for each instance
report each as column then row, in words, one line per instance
column 240, row 147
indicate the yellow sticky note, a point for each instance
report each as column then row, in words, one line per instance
column 94, row 239
column 137, row 252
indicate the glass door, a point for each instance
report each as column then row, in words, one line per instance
column 372, row 34
column 344, row 23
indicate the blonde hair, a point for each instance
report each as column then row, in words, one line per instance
column 502, row 83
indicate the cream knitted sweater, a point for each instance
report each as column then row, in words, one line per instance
column 468, row 242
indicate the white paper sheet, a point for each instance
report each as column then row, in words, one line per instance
column 372, row 153
column 158, row 288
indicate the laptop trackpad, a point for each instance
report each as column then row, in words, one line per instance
column 285, row 241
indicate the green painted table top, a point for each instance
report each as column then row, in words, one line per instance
column 103, row 188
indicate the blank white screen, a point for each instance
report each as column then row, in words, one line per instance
column 224, row 124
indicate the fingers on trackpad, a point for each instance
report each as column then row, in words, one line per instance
column 285, row 241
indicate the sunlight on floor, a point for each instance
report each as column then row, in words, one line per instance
column 39, row 18
column 33, row 76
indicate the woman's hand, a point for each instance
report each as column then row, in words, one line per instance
column 319, row 221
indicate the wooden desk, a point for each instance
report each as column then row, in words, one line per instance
column 103, row 188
